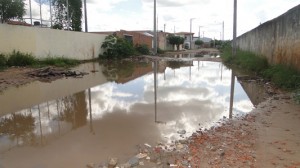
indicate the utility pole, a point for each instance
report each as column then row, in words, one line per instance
column 199, row 32
column 68, row 16
column 223, row 31
column 234, row 29
column 30, row 12
column 154, row 31
column 50, row 4
column 191, row 36
column 85, row 17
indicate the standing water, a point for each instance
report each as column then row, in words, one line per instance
column 72, row 122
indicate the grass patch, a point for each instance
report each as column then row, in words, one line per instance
column 245, row 60
column 281, row 75
column 59, row 62
column 17, row 58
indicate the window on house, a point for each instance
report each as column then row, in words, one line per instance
column 129, row 38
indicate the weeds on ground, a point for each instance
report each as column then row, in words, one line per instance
column 245, row 60
column 17, row 58
column 59, row 62
column 281, row 75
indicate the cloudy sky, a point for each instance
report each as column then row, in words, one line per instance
column 112, row 15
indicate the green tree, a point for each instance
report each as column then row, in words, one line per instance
column 216, row 43
column 11, row 9
column 175, row 40
column 61, row 18
column 199, row 42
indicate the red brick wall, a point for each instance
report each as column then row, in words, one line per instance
column 138, row 38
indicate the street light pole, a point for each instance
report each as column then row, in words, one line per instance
column 41, row 18
column 234, row 28
column 154, row 31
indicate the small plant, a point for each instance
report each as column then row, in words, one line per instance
column 3, row 61
column 17, row 58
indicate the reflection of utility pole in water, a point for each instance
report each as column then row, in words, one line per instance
column 191, row 64
column 58, row 115
column 221, row 71
column 41, row 131
column 231, row 93
column 91, row 117
column 155, row 89
column 48, row 110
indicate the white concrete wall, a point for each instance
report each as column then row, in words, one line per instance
column 44, row 42
column 278, row 40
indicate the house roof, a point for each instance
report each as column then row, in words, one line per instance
column 184, row 33
column 12, row 22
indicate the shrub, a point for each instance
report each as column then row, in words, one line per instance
column 142, row 49
column 160, row 51
column 17, row 58
column 3, row 60
column 116, row 47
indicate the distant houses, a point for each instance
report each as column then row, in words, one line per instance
column 146, row 37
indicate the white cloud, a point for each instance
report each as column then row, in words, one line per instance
column 112, row 15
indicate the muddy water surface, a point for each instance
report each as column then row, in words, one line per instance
column 72, row 122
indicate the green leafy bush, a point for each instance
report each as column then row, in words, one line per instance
column 17, row 58
column 116, row 47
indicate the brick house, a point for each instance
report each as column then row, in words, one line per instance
column 136, row 37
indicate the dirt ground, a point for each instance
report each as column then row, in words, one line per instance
column 15, row 76
column 269, row 136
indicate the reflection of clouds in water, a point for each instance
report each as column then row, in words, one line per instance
column 183, row 102
column 109, row 97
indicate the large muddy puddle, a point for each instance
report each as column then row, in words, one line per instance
column 72, row 122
